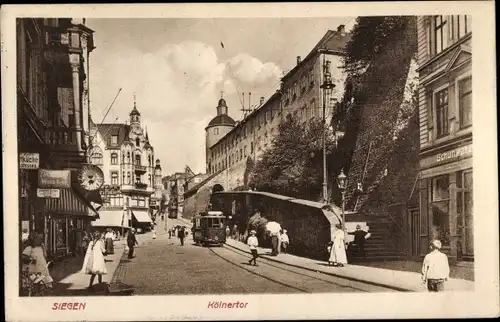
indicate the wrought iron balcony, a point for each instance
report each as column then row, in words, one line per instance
column 141, row 185
column 63, row 139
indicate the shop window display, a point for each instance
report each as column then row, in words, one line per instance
column 440, row 210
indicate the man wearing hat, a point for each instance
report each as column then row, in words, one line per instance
column 131, row 242
column 360, row 237
column 435, row 269
column 253, row 242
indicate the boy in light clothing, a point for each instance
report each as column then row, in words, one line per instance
column 284, row 241
column 253, row 242
column 435, row 269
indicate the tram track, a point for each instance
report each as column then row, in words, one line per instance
column 307, row 278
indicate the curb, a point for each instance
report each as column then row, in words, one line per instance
column 396, row 288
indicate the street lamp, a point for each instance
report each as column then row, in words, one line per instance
column 327, row 87
column 341, row 182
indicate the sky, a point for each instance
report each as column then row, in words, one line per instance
column 177, row 69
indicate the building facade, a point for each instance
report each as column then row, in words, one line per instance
column 445, row 97
column 232, row 145
column 130, row 191
column 52, row 110
column 174, row 186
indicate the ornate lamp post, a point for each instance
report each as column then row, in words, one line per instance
column 327, row 87
column 341, row 182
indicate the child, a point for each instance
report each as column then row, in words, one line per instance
column 284, row 241
column 435, row 269
column 253, row 242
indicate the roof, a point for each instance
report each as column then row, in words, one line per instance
column 222, row 119
column 333, row 42
column 107, row 130
column 134, row 111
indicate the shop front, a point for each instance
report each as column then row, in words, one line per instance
column 68, row 217
column 446, row 201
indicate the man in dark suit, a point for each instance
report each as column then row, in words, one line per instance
column 131, row 242
column 181, row 233
column 360, row 237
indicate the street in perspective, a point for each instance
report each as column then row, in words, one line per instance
column 245, row 156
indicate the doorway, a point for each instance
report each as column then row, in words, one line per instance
column 414, row 231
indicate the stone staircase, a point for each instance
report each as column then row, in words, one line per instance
column 384, row 242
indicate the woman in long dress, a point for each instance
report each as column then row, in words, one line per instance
column 338, row 256
column 35, row 255
column 109, row 238
column 94, row 263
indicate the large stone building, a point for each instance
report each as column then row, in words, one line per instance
column 231, row 144
column 131, row 190
column 231, row 147
column 52, row 118
column 445, row 96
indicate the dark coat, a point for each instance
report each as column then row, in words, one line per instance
column 131, row 240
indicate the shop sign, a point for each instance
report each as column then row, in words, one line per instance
column 29, row 161
column 48, row 193
column 464, row 151
column 54, row 178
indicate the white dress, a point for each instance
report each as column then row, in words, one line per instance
column 337, row 253
column 94, row 260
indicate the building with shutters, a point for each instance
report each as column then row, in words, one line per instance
column 130, row 191
column 445, row 98
column 52, row 119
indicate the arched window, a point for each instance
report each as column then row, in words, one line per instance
column 137, row 141
column 137, row 159
column 149, row 161
column 96, row 156
column 114, row 158
column 128, row 157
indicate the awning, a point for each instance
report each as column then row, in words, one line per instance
column 108, row 218
column 141, row 216
column 70, row 202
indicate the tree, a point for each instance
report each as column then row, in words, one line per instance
column 292, row 165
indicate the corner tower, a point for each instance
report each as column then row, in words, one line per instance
column 219, row 126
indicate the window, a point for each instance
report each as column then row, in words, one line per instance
column 465, row 101
column 459, row 26
column 128, row 178
column 128, row 157
column 440, row 195
column 440, row 36
column 216, row 131
column 96, row 156
column 442, row 112
column 114, row 177
column 114, row 158
column 149, row 180
column 137, row 159
column 114, row 139
column 464, row 213
column 123, row 177
column 137, row 178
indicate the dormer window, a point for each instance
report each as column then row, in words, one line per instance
column 137, row 142
column 114, row 139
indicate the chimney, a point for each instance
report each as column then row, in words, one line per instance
column 341, row 29
column 261, row 100
column 298, row 60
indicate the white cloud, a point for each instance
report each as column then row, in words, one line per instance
column 177, row 89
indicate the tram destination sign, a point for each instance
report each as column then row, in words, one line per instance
column 30, row 161
column 54, row 178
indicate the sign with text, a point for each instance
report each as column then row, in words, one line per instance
column 453, row 155
column 54, row 178
column 29, row 161
column 48, row 193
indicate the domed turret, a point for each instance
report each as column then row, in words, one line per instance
column 135, row 116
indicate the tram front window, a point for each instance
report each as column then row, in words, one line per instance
column 216, row 223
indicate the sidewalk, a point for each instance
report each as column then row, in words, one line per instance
column 389, row 278
column 68, row 280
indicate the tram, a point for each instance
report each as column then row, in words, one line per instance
column 209, row 228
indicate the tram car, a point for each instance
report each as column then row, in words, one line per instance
column 209, row 228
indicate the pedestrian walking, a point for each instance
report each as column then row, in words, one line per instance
column 169, row 233
column 131, row 242
column 228, row 232
column 235, row 232
column 285, row 241
column 253, row 242
column 109, row 242
column 338, row 255
column 435, row 268
column 181, row 234
column 360, row 237
column 94, row 263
